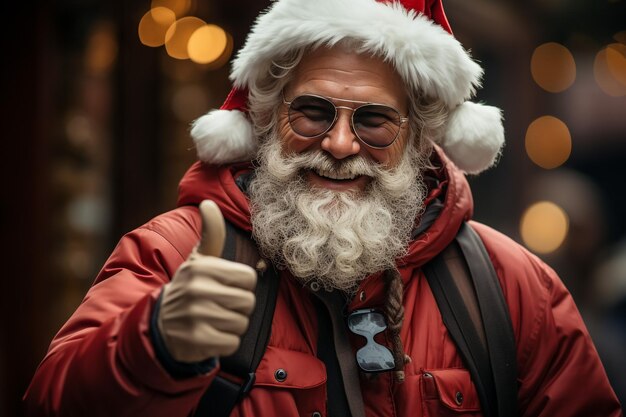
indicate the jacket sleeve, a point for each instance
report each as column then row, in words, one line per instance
column 102, row 361
column 559, row 370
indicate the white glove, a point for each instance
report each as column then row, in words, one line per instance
column 206, row 307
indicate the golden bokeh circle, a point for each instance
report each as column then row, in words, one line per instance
column 225, row 57
column 102, row 49
column 178, row 35
column 207, row 44
column 154, row 25
column 548, row 142
column 616, row 61
column 604, row 72
column 179, row 7
column 553, row 67
column 544, row 227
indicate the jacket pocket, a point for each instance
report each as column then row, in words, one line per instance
column 449, row 392
column 288, row 383
column 283, row 368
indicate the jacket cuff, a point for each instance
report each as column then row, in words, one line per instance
column 176, row 369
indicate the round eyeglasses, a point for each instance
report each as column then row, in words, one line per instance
column 376, row 125
column 373, row 357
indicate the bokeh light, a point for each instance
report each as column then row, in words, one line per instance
column 207, row 44
column 553, row 67
column 178, row 35
column 225, row 57
column 616, row 61
column 102, row 50
column 154, row 25
column 604, row 72
column 548, row 142
column 179, row 7
column 544, row 227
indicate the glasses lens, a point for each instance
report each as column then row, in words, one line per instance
column 376, row 125
column 311, row 116
column 373, row 357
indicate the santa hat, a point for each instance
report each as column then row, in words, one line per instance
column 414, row 35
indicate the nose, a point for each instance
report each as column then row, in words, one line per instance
column 340, row 141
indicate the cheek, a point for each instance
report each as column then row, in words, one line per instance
column 396, row 151
column 291, row 142
column 392, row 155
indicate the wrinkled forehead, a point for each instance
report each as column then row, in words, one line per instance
column 344, row 73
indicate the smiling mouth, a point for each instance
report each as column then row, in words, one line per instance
column 334, row 175
column 336, row 181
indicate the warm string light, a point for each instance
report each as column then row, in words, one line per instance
column 178, row 35
column 154, row 25
column 206, row 44
column 184, row 37
column 616, row 61
column 553, row 67
column 548, row 142
column 102, row 50
column 179, row 7
column 544, row 227
column 609, row 69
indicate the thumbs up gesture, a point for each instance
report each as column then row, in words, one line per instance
column 206, row 307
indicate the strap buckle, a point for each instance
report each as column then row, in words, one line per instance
column 247, row 386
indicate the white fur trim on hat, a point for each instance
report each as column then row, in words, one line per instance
column 426, row 56
column 474, row 136
column 223, row 136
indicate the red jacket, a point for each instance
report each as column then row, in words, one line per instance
column 102, row 361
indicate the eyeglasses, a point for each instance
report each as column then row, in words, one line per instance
column 373, row 357
column 376, row 125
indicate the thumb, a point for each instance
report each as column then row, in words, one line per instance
column 213, row 230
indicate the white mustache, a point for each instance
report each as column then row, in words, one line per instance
column 321, row 162
column 351, row 167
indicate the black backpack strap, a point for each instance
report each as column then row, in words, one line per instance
column 223, row 394
column 473, row 308
column 328, row 351
column 496, row 320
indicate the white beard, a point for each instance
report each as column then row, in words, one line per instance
column 337, row 238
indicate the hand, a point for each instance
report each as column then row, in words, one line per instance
column 206, row 307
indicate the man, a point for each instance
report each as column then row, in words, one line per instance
column 340, row 103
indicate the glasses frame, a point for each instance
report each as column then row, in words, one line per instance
column 401, row 118
column 371, row 344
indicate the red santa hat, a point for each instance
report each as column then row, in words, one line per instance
column 414, row 35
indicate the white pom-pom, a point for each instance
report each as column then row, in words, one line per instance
column 223, row 136
column 474, row 136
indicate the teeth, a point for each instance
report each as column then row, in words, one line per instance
column 335, row 175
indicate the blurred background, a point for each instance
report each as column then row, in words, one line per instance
column 97, row 98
